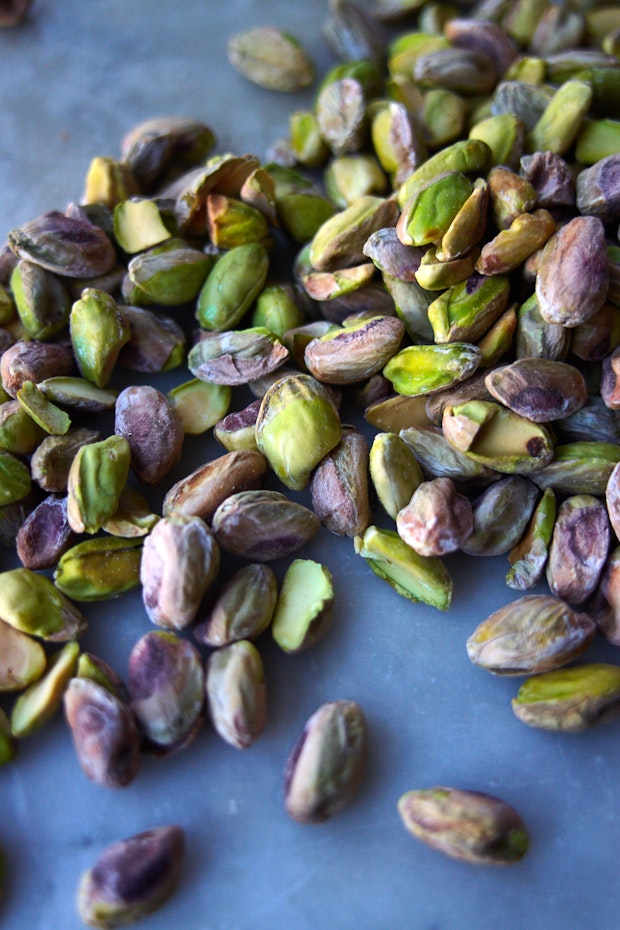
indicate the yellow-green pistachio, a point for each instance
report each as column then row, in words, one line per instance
column 416, row 577
column 559, row 124
column 521, row 20
column 180, row 561
column 201, row 492
column 468, row 226
column 326, row 285
column 510, row 194
column 440, row 458
column 467, row 825
column 339, row 486
column 443, row 114
column 300, row 205
column 569, row 700
column 468, row 156
column 406, row 48
column 437, row 519
column 598, row 336
column 78, row 394
column 110, row 753
column 15, row 482
column 97, row 475
column 168, row 274
column 95, row 669
column 580, row 467
column 133, row 517
column 307, row 143
column 539, row 389
column 131, row 878
column 40, row 701
column 411, row 303
column 242, row 607
column 473, row 388
column 232, row 223
column 235, row 357
column 237, row 430
column 501, row 515
column 45, row 414
column 436, row 275
column 263, row 525
column 98, row 333
column 19, row 433
column 22, row 659
column 100, row 568
column 153, row 451
column 271, row 58
column 138, row 225
column 427, row 216
column 51, row 460
column 506, row 251
column 159, row 149
column 597, row 139
column 348, row 177
column 70, row 247
column 166, row 684
column 536, row 338
column 339, row 242
column 396, row 412
column 31, row 603
column 397, row 139
column 505, row 136
column 326, row 765
column 236, row 693
column 529, row 557
column 277, row 309
column 535, row 633
column 579, row 546
column 108, row 182
column 597, row 189
column 425, row 368
column 341, row 114
column 41, row 298
column 573, row 277
column 356, row 351
column 364, row 70
column 394, row 471
column 31, row 360
column 45, row 534
column 297, row 425
column 498, row 340
column 199, row 405
column 466, row 310
column 497, row 437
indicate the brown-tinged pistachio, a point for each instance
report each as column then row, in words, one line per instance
column 46, row 414
column 396, row 412
column 512, row 246
column 168, row 274
column 484, row 36
column 529, row 557
column 355, row 352
column 326, row 765
column 22, row 659
column 411, row 303
column 467, row 825
column 390, row 255
column 104, row 731
column 297, row 426
column 551, row 178
column 597, row 189
column 510, row 195
column 579, row 546
column 536, row 338
column 31, row 603
column 78, row 394
column 241, row 609
column 427, row 215
column 570, row 699
column 351, row 33
column 339, row 486
column 271, row 58
column 573, row 277
column 405, row 49
column 108, row 182
column 436, row 520
column 394, row 470
column 398, row 139
column 598, row 336
column 263, row 525
column 19, row 434
column 467, row 72
column 132, row 878
column 180, row 560
column 166, row 684
column 438, row 457
column 40, row 701
column 15, row 482
column 297, row 338
column 51, row 461
column 98, row 569
column 148, row 421
column 340, row 241
column 592, row 422
column 163, row 147
column 95, row 669
column 303, row 611
column 231, row 222
column 133, row 517
column 223, row 173
column 341, row 114
column 199, row 405
column 236, row 695
column 156, row 343
column 236, row 357
column 201, row 493
column 466, row 310
column 45, row 534
column 34, row 361
column 539, row 389
column 501, row 514
column 580, row 467
column 42, row 300
column 422, row 369
column 535, row 633
column 69, row 247
column 97, row 475
column 348, row 177
column 98, row 333
column 416, row 577
column 238, row 430
column 610, row 386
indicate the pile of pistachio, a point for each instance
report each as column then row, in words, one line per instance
column 452, row 200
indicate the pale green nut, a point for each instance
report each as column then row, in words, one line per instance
column 97, row 476
column 98, row 333
column 297, row 426
column 465, row 311
column 15, row 482
column 232, row 286
column 304, row 606
column 19, row 434
column 41, row 298
column 435, row 275
column 430, row 211
column 31, row 603
column 232, row 223
column 569, row 700
column 100, row 568
column 306, row 141
column 271, row 58
column 425, row 368
column 38, row 703
column 169, row 274
column 529, row 557
column 404, row 51
column 301, row 206
column 394, row 470
column 138, row 225
column 505, row 136
column 444, row 115
column 558, row 126
column 348, row 177
column 468, row 226
column 597, row 139
column 44, row 413
column 417, row 577
column 200, row 404
column 276, row 310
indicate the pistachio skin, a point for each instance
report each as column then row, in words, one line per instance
column 570, row 700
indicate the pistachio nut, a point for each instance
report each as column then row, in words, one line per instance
column 356, row 351
column 45, row 414
column 95, row 669
column 263, row 525
column 148, row 421
column 45, row 534
column 580, row 467
column 108, row 182
column 168, row 274
column 559, row 123
column 539, row 389
column 467, row 825
column 201, row 493
column 504, row 133
column 326, row 765
column 339, row 242
column 468, row 156
column 51, row 460
column 535, row 633
column 236, row 694
column 132, row 878
column 138, row 225
column 550, row 177
column 40, row 701
column 238, row 430
column 199, row 405
column 225, row 173
column 33, row 360
column 41, row 299
column 31, row 603
column 242, row 608
column 98, row 333
column 232, row 286
column 133, row 517
column 159, row 148
column 303, row 610
column 421, row 369
column 512, row 246
column 612, row 499
column 394, row 471
column 166, row 684
column 22, row 659
column 348, row 177
column 69, row 247
column 78, row 394
column 340, row 108
column 529, row 556
column 100, row 568
column 97, row 476
column 397, row 411
column 501, row 514
column 440, row 458
column 427, row 216
column 570, row 699
column 467, row 309
column 536, row 338
column 15, row 480
column 277, row 309
column 437, row 519
column 411, row 302
column 597, row 190
column 236, row 357
column 270, row 58
column 579, row 546
column 19, row 434
column 157, row 342
column 510, row 196
column 339, row 486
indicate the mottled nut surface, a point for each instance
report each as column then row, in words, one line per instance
column 570, row 699
column 147, row 420
column 579, row 546
column 539, row 389
column 241, row 609
column 339, row 486
column 202, row 492
column 236, row 694
column 437, row 519
column 263, row 525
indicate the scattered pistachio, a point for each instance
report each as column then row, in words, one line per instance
column 235, row 690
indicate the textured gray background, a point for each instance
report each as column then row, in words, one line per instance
column 75, row 78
